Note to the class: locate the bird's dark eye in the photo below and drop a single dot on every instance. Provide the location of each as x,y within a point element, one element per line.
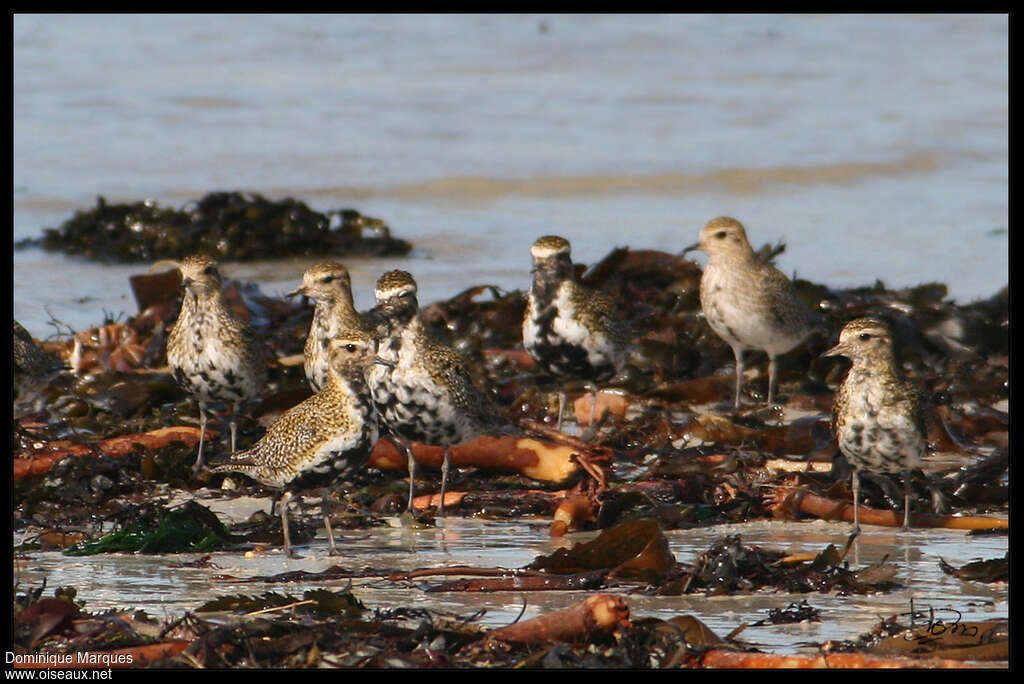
<point>350,348</point>
<point>720,234</point>
<point>328,279</point>
<point>210,270</point>
<point>864,336</point>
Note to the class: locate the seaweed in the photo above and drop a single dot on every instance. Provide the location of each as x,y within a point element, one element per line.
<point>190,528</point>
<point>234,226</point>
<point>104,443</point>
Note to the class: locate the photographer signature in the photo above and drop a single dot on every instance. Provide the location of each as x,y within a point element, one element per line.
<point>936,626</point>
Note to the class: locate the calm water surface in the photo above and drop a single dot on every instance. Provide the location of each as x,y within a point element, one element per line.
<point>876,146</point>
<point>151,581</point>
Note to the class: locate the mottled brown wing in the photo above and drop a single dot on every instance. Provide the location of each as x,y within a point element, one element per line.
<point>254,355</point>
<point>603,314</point>
<point>918,407</point>
<point>784,306</point>
<point>467,396</point>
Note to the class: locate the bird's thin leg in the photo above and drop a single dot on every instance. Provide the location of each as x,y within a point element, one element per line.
<point>738,353</point>
<point>285,498</point>
<point>593,404</point>
<point>324,508</point>
<point>856,488</point>
<point>561,405</point>
<point>906,499</point>
<point>202,434</point>
<point>412,473</point>
<point>771,379</point>
<point>445,466</point>
<point>233,426</point>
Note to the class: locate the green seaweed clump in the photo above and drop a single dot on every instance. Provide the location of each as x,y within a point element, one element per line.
<point>191,528</point>
<point>231,226</point>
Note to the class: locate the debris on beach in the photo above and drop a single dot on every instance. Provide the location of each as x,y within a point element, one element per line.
<point>107,439</point>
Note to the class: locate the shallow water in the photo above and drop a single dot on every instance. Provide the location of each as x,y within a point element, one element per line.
<point>148,582</point>
<point>876,146</point>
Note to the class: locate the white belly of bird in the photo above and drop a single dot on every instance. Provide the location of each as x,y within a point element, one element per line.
<point>741,315</point>
<point>223,381</point>
<point>885,439</point>
<point>567,327</point>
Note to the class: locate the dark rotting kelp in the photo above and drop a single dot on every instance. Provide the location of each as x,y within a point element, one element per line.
<point>235,226</point>
<point>666,452</point>
<point>670,456</point>
<point>731,567</point>
<point>632,549</point>
<point>990,570</point>
<point>793,613</point>
<point>332,629</point>
<point>638,553</point>
<point>315,601</point>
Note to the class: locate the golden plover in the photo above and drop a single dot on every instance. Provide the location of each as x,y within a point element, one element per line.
<point>314,442</point>
<point>212,354</point>
<point>570,330</point>
<point>422,388</point>
<point>748,303</point>
<point>329,286</point>
<point>878,416</point>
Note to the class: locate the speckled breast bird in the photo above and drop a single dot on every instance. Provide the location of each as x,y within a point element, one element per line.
<point>334,313</point>
<point>33,368</point>
<point>327,435</point>
<point>747,302</point>
<point>212,354</point>
<point>422,388</point>
<point>571,331</point>
<point>878,417</point>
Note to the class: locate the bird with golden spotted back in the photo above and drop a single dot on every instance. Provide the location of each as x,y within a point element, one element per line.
<point>212,354</point>
<point>322,438</point>
<point>878,417</point>
<point>329,286</point>
<point>422,388</point>
<point>571,331</point>
<point>748,302</point>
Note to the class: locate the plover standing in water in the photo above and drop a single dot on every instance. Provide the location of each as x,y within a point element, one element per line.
<point>329,286</point>
<point>212,354</point>
<point>314,442</point>
<point>570,330</point>
<point>878,416</point>
<point>747,302</point>
<point>422,388</point>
